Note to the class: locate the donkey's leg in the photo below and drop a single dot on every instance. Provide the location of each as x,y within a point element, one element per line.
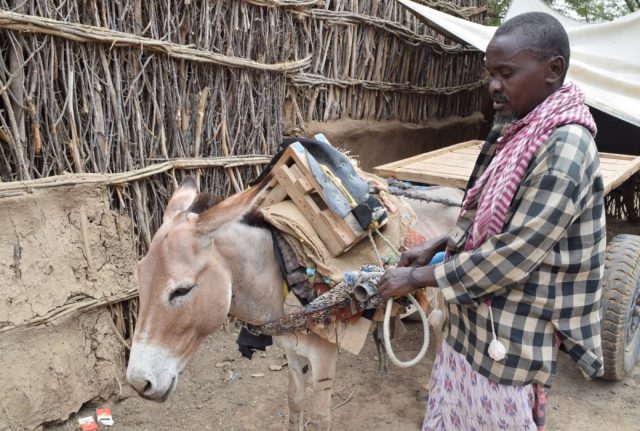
<point>383,357</point>
<point>322,356</point>
<point>296,364</point>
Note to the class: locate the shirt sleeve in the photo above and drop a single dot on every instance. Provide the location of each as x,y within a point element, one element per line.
<point>547,207</point>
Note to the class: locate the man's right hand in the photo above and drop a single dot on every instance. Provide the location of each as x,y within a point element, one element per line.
<point>422,254</point>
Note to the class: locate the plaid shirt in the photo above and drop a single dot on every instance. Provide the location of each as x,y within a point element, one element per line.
<point>542,273</point>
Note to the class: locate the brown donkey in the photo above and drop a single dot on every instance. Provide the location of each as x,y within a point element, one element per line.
<point>204,264</point>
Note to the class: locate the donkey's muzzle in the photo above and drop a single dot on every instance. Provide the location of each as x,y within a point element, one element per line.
<point>152,371</point>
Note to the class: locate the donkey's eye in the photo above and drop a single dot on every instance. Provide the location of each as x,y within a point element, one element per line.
<point>180,291</point>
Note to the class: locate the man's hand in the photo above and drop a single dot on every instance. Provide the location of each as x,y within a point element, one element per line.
<point>395,282</point>
<point>422,254</point>
<point>403,281</point>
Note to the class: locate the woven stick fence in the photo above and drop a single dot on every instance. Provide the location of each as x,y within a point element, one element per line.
<point>375,60</point>
<point>137,94</point>
<point>111,88</point>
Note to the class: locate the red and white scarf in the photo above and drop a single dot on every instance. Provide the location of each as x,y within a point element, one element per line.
<point>496,187</point>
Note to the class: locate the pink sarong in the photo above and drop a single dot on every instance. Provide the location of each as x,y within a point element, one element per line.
<point>460,399</point>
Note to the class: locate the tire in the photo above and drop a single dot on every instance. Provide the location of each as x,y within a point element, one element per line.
<point>621,307</point>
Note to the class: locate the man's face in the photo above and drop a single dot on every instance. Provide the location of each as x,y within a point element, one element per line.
<point>517,77</point>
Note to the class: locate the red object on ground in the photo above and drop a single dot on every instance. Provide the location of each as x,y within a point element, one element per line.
<point>88,424</point>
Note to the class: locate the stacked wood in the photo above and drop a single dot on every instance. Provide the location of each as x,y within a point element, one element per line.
<point>294,180</point>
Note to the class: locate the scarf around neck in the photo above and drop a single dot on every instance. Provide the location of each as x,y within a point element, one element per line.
<point>494,190</point>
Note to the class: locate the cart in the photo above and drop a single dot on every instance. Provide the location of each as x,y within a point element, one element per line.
<point>451,166</point>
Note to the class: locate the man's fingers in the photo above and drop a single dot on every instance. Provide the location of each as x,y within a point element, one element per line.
<point>406,260</point>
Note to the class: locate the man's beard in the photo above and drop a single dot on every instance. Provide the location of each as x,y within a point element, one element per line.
<point>503,121</point>
<point>500,120</point>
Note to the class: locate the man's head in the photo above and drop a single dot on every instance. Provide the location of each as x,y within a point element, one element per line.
<point>526,60</point>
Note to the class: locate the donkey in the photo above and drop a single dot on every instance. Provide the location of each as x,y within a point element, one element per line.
<point>204,263</point>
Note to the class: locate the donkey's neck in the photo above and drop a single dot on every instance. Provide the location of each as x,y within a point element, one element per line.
<point>257,281</point>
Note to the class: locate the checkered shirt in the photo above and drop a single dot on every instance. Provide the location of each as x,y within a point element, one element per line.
<point>541,274</point>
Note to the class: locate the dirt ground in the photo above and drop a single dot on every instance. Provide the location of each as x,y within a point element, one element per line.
<point>219,390</point>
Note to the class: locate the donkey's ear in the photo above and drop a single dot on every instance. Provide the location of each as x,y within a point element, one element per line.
<point>229,209</point>
<point>203,202</point>
<point>181,199</point>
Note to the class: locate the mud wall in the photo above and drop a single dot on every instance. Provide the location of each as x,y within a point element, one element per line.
<point>373,143</point>
<point>64,250</point>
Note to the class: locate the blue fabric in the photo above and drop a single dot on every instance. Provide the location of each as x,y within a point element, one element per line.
<point>437,258</point>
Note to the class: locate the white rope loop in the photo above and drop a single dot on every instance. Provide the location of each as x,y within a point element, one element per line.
<point>387,341</point>
<point>387,313</point>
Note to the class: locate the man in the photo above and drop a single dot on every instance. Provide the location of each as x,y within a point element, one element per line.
<point>523,266</point>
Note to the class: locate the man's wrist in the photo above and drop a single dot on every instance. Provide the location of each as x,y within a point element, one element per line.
<point>413,281</point>
<point>421,276</point>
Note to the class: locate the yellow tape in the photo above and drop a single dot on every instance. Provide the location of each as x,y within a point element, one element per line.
<point>335,180</point>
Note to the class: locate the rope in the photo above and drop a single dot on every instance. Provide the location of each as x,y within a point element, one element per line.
<point>387,341</point>
<point>395,252</point>
<point>375,248</point>
<point>387,315</point>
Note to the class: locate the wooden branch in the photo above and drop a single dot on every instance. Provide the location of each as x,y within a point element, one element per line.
<point>285,3</point>
<point>84,304</point>
<point>20,187</point>
<point>86,33</point>
<point>312,80</point>
<point>453,9</point>
<point>344,18</point>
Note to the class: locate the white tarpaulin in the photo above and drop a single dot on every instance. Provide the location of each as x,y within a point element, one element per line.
<point>605,57</point>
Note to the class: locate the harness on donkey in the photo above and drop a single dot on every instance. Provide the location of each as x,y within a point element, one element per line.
<point>317,261</point>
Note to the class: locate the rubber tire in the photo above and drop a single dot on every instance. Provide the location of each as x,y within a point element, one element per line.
<point>620,290</point>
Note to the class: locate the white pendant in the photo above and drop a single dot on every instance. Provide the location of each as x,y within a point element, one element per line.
<point>497,350</point>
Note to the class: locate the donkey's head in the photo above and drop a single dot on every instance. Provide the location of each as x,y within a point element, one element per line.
<point>184,288</point>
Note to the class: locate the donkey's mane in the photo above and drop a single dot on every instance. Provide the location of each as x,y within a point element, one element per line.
<point>254,218</point>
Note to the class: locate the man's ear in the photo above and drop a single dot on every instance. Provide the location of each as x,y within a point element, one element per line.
<point>555,70</point>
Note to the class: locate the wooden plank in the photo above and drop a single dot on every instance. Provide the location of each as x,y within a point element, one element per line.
<point>426,178</point>
<point>615,156</point>
<point>633,166</point>
<point>334,243</point>
<point>456,159</point>
<point>439,168</point>
<point>390,166</point>
<point>274,195</point>
<point>452,166</point>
